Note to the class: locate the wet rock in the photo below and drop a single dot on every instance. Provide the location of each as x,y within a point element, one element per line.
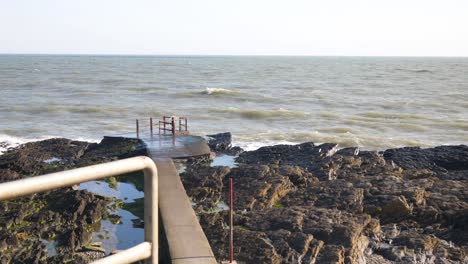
<point>64,215</point>
<point>222,143</point>
<point>32,158</point>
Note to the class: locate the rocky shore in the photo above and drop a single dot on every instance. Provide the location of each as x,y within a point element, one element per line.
<point>63,218</point>
<point>303,203</point>
<point>310,203</point>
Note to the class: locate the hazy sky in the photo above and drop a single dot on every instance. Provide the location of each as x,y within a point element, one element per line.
<point>262,27</point>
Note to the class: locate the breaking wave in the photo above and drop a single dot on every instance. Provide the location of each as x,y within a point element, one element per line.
<point>214,92</point>
<point>218,91</point>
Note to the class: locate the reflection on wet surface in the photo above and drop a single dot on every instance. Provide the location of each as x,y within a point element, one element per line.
<point>120,234</point>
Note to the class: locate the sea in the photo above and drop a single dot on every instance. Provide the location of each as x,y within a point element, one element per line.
<point>374,103</point>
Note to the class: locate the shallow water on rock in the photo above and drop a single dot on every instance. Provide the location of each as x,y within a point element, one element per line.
<point>224,160</point>
<point>121,235</point>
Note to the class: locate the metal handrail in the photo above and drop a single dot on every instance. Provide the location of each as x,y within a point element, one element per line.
<point>147,250</point>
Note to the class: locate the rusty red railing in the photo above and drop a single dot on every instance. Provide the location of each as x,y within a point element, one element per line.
<point>168,125</point>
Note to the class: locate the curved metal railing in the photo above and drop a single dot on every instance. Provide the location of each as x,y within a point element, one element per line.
<point>147,250</point>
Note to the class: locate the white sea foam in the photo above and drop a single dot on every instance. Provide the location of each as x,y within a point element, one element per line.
<point>7,141</point>
<point>249,146</point>
<point>214,91</point>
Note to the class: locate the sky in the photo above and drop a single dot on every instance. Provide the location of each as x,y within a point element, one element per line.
<point>236,27</point>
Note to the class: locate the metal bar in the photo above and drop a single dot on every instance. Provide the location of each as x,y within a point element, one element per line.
<point>173,126</point>
<point>133,254</point>
<point>137,129</point>
<point>231,231</point>
<point>151,204</point>
<point>151,125</point>
<point>14,189</point>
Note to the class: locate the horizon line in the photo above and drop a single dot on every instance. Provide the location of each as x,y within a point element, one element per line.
<point>228,55</point>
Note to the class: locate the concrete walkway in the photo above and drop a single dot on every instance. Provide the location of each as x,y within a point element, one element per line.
<point>186,239</point>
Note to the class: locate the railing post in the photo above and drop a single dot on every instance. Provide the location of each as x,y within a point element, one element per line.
<point>151,126</point>
<point>231,223</point>
<point>151,212</point>
<point>137,129</point>
<point>173,126</point>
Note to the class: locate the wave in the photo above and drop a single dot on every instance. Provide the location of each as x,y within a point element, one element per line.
<point>218,91</point>
<point>215,92</point>
<point>264,114</point>
<point>415,70</point>
<point>146,89</point>
<point>386,115</point>
<point>364,142</point>
<point>7,141</point>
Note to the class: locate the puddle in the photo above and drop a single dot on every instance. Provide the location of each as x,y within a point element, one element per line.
<point>119,236</point>
<point>124,234</point>
<point>123,191</point>
<point>221,207</point>
<point>50,245</point>
<point>52,160</point>
<point>224,160</point>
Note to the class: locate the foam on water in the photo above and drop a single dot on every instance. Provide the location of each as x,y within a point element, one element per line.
<point>7,142</point>
<point>215,91</point>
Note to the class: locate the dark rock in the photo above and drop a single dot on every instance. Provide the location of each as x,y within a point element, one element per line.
<point>8,175</point>
<point>442,160</point>
<point>112,148</point>
<point>220,142</point>
<point>233,151</point>
<point>300,155</point>
<point>31,158</point>
<point>318,204</point>
<point>258,187</point>
<point>64,215</point>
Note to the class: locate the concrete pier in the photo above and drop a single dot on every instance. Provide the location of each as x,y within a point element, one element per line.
<point>186,239</point>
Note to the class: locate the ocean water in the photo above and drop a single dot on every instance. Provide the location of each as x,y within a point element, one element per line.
<point>370,102</point>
